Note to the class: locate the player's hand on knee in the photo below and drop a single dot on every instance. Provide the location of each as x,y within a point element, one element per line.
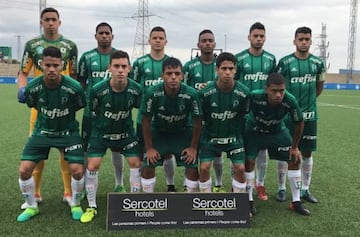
<point>295,152</point>
<point>21,95</point>
<point>189,155</point>
<point>152,156</point>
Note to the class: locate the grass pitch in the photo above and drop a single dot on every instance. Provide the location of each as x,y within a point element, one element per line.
<point>335,182</point>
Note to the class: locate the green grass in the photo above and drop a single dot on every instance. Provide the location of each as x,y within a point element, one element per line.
<point>335,182</point>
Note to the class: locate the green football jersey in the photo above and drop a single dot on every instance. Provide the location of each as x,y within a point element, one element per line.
<point>223,111</point>
<point>147,72</point>
<point>196,72</point>
<point>253,70</point>
<point>171,114</point>
<point>33,55</point>
<point>301,77</point>
<point>113,110</point>
<point>264,118</point>
<point>93,67</point>
<point>56,107</point>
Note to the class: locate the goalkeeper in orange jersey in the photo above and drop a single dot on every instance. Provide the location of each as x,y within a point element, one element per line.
<point>50,23</point>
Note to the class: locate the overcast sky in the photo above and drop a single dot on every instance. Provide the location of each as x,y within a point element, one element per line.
<point>184,19</point>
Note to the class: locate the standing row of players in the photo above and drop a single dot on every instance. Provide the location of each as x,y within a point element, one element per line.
<point>304,77</point>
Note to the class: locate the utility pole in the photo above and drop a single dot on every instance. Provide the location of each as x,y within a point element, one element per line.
<point>18,47</point>
<point>352,40</point>
<point>142,29</point>
<point>323,45</point>
<point>42,6</point>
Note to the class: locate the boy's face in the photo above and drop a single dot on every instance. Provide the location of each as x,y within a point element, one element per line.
<point>157,40</point>
<point>119,68</point>
<point>226,72</point>
<point>275,93</point>
<point>172,77</point>
<point>50,22</point>
<point>302,42</point>
<point>52,68</point>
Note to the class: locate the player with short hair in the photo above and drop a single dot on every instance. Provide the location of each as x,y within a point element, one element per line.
<point>197,73</point>
<point>253,67</point>
<point>305,76</point>
<point>50,22</point>
<point>57,98</point>
<point>93,68</point>
<point>111,103</point>
<point>224,103</point>
<point>265,128</point>
<point>147,71</point>
<point>167,110</point>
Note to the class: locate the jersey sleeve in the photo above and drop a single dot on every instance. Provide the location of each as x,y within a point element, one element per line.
<point>321,73</point>
<point>27,59</point>
<point>73,60</point>
<point>186,74</point>
<point>82,75</point>
<point>31,98</point>
<point>80,101</point>
<point>138,98</point>
<point>196,105</point>
<point>94,101</point>
<point>280,67</point>
<point>147,102</point>
<point>135,72</point>
<point>295,113</point>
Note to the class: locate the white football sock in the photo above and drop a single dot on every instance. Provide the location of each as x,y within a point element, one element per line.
<point>261,167</point>
<point>218,170</point>
<point>77,188</point>
<point>27,188</point>
<point>295,184</point>
<point>306,172</point>
<point>238,187</point>
<point>148,185</point>
<point>135,180</point>
<point>205,187</point>
<point>250,176</point>
<point>118,164</point>
<point>169,169</point>
<point>282,167</point>
<point>192,186</point>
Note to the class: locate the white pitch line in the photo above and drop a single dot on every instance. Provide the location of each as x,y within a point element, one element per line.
<point>341,106</point>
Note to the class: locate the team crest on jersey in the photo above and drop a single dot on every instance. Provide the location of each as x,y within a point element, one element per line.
<point>39,50</point>
<point>314,68</point>
<point>235,103</point>
<point>266,65</point>
<point>181,107</point>
<point>64,100</point>
<point>130,103</point>
<point>281,112</point>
